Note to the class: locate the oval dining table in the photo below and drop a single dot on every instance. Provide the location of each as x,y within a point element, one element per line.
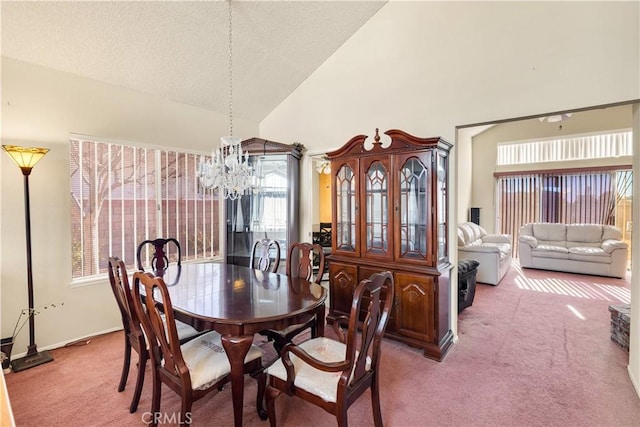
<point>239,302</point>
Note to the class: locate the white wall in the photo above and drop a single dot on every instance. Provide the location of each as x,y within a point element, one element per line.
<point>427,67</point>
<point>634,327</point>
<point>40,107</point>
<point>464,148</point>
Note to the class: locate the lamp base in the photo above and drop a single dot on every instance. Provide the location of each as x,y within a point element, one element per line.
<point>30,361</point>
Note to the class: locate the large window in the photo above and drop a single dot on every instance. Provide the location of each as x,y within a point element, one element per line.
<point>122,195</point>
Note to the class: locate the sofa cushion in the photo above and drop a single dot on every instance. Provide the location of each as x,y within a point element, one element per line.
<point>535,253</point>
<point>550,251</point>
<point>552,248</point>
<point>589,254</point>
<point>471,232</point>
<point>609,232</point>
<point>461,241</point>
<point>526,230</point>
<point>550,232</point>
<point>587,233</point>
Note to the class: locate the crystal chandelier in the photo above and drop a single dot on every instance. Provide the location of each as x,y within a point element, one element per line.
<point>228,170</point>
<point>324,166</point>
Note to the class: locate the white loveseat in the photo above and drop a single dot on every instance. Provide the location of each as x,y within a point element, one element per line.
<point>492,251</point>
<point>575,248</point>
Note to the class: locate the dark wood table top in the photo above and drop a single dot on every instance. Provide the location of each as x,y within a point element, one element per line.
<point>237,300</point>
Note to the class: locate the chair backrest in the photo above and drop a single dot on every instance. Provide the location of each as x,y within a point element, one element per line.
<point>122,292</point>
<point>159,258</point>
<point>163,335</point>
<point>325,227</point>
<point>376,293</point>
<point>261,257</point>
<point>301,258</point>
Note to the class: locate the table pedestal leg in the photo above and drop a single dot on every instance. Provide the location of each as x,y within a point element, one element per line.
<point>237,349</point>
<point>320,320</point>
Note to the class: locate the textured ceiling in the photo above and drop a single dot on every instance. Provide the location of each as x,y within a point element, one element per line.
<point>179,50</point>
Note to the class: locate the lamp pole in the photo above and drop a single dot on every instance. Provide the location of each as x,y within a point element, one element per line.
<point>33,348</point>
<point>26,158</point>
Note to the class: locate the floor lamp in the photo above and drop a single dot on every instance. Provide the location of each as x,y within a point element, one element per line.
<point>26,158</point>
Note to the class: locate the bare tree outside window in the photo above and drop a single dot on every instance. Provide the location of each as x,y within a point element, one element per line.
<point>121,195</point>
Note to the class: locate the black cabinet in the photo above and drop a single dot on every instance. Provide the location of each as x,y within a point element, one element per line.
<point>270,210</point>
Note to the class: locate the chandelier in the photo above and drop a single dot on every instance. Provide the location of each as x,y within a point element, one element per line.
<point>324,167</point>
<point>228,170</point>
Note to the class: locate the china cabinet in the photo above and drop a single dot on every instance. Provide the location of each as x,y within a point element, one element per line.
<point>270,209</point>
<point>390,213</point>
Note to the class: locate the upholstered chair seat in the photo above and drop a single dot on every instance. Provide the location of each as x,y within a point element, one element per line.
<point>185,332</point>
<point>319,383</point>
<point>207,361</point>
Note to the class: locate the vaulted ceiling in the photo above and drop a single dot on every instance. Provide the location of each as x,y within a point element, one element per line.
<point>179,50</point>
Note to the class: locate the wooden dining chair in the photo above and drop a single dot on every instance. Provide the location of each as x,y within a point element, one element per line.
<point>334,374</point>
<point>192,369</point>
<point>134,337</point>
<point>300,263</point>
<point>301,257</point>
<point>261,255</point>
<point>160,257</point>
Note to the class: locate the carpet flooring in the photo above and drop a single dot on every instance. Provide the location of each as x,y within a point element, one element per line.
<point>533,351</point>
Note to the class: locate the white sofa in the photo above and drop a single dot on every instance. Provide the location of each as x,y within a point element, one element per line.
<point>575,248</point>
<point>492,251</point>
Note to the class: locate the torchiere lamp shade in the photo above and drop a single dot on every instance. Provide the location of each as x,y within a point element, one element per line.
<point>25,157</point>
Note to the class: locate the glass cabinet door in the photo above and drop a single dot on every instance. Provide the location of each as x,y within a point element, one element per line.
<point>442,172</point>
<point>377,204</point>
<point>413,209</point>
<point>261,213</point>
<point>345,209</point>
<point>267,210</point>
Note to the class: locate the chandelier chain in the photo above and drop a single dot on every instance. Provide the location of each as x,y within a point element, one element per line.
<point>228,170</point>
<point>230,70</point>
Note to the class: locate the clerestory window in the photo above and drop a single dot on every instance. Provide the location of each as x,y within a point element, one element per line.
<point>579,147</point>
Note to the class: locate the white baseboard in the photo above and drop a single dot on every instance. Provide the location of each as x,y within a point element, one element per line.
<point>64,343</point>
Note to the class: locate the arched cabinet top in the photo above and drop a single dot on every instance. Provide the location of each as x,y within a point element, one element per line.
<point>400,141</point>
